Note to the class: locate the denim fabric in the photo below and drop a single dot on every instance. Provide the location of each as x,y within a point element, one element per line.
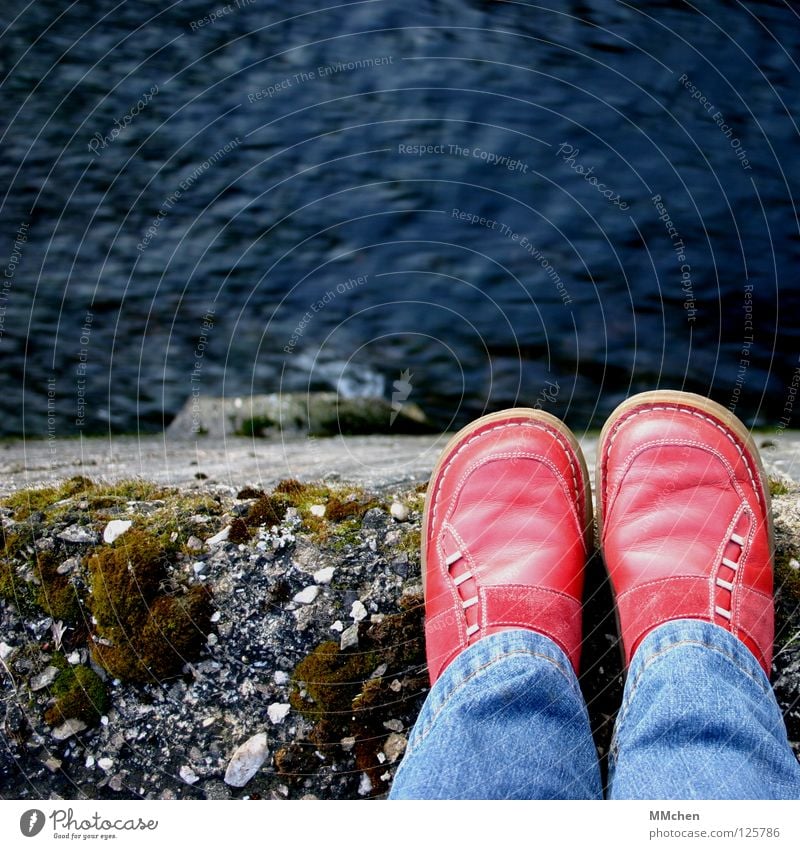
<point>699,720</point>
<point>507,720</point>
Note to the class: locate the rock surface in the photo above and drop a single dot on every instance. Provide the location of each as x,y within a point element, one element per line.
<point>316,413</point>
<point>183,737</point>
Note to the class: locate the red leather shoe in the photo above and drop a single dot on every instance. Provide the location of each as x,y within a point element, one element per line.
<point>685,520</point>
<point>506,532</point>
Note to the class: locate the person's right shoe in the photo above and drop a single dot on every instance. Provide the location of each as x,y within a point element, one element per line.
<point>684,520</point>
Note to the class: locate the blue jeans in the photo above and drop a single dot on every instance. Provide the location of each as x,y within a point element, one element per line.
<point>507,720</point>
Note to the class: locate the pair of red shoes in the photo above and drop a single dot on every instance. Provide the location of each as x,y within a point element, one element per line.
<point>683,514</point>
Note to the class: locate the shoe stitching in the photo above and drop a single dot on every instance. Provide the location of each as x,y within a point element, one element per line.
<point>658,581</point>
<point>649,409</point>
<point>533,425</point>
<point>746,545</point>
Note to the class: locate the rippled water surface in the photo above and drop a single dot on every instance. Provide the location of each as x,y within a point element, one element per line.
<point>504,201</point>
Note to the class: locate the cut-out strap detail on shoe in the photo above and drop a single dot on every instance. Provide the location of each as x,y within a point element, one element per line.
<point>453,558</point>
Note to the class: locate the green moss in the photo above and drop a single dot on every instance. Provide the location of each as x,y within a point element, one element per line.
<point>143,633</point>
<point>257,426</point>
<point>344,509</point>
<point>12,588</point>
<point>124,579</point>
<point>80,694</point>
<point>778,487</point>
<point>56,594</point>
<point>787,578</point>
<point>343,700</point>
<point>28,501</point>
<point>133,489</point>
<point>249,492</point>
<point>175,631</point>
<point>170,523</point>
<point>332,679</point>
<point>343,535</point>
<point>411,544</point>
<point>268,510</point>
<point>239,531</point>
<point>338,510</point>
<point>17,547</point>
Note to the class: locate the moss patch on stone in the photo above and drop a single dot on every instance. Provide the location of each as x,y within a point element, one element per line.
<point>18,547</point>
<point>778,487</point>
<point>787,575</point>
<point>340,692</point>
<point>80,694</point>
<point>344,509</point>
<point>28,501</point>
<point>144,632</point>
<point>411,544</point>
<point>56,594</point>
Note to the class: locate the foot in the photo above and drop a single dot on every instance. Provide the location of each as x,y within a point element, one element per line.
<point>685,520</point>
<point>506,532</point>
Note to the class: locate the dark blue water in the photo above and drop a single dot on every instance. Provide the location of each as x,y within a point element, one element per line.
<point>290,197</point>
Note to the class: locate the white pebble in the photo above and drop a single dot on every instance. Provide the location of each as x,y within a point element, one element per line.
<point>188,775</point>
<point>67,729</point>
<point>399,511</point>
<point>317,510</point>
<point>246,761</point>
<point>115,529</point>
<point>394,747</point>
<point>220,537</point>
<point>358,611</point>
<point>281,677</point>
<point>6,651</point>
<point>349,637</point>
<point>337,626</point>
<point>324,576</point>
<point>364,785</point>
<point>307,595</point>
<point>44,679</point>
<point>105,764</point>
<point>277,712</point>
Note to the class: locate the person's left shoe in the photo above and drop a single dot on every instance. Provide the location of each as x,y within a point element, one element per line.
<point>506,534</point>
